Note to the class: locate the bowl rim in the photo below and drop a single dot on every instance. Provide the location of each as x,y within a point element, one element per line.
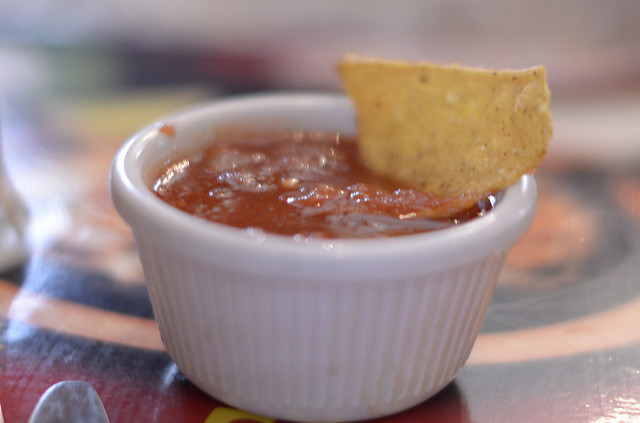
<point>153,220</point>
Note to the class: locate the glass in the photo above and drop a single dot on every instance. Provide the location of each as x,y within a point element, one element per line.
<point>13,219</point>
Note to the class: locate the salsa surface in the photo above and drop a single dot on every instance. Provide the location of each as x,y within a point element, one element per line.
<point>302,184</point>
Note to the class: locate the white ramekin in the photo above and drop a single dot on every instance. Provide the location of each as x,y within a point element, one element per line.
<point>327,330</point>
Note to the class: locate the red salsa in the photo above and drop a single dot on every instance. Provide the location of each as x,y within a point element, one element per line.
<point>299,184</point>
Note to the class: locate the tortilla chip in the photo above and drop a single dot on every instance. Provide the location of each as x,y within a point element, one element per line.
<point>449,130</point>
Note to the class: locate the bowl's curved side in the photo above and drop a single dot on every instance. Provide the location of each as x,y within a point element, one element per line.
<point>315,351</point>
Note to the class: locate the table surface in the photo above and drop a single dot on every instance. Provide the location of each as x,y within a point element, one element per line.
<point>560,342</point>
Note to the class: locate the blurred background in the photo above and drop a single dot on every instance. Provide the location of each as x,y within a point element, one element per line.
<point>287,43</point>
<point>77,78</point>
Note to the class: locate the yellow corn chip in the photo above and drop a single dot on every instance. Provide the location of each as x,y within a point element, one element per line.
<point>449,130</point>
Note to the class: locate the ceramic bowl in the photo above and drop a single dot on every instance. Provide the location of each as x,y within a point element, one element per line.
<point>322,330</point>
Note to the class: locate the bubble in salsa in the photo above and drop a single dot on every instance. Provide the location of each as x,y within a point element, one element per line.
<point>302,184</point>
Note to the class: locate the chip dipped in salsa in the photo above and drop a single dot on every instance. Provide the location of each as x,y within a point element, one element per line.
<point>303,184</point>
